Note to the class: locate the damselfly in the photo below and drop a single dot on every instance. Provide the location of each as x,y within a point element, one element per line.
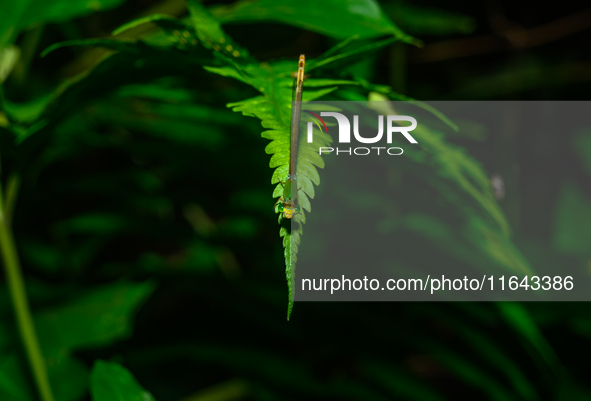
<point>288,203</point>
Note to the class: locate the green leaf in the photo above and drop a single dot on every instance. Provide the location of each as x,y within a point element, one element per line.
<point>521,321</point>
<point>14,385</point>
<point>484,344</point>
<point>96,319</point>
<point>112,382</point>
<point>129,45</point>
<point>343,55</point>
<point>26,112</point>
<point>20,14</point>
<point>54,11</point>
<point>12,13</point>
<point>335,18</point>
<point>210,33</point>
<point>161,20</point>
<point>273,111</point>
<point>227,71</point>
<point>208,29</point>
<point>69,378</point>
<point>8,58</point>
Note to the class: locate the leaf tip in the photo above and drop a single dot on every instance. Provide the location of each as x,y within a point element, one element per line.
<point>48,50</point>
<point>416,42</point>
<point>289,309</point>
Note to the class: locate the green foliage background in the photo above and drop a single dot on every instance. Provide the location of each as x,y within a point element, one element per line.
<point>139,190</point>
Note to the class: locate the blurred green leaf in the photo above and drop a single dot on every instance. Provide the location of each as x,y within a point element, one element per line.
<point>53,11</point>
<point>405,385</point>
<point>98,318</point>
<point>335,18</point>
<point>157,91</point>
<point>26,112</point>
<point>95,223</point>
<point>346,53</point>
<point>17,15</point>
<point>484,344</point>
<point>573,221</point>
<point>385,93</point>
<point>12,13</point>
<point>161,20</point>
<point>420,20</point>
<point>459,177</point>
<point>47,257</point>
<point>8,59</point>
<point>477,244</point>
<point>240,226</point>
<point>14,385</point>
<point>112,382</point>
<point>121,45</point>
<point>260,364</point>
<point>517,76</point>
<point>139,62</point>
<point>582,145</point>
<point>211,35</point>
<point>69,378</point>
<point>475,375</point>
<point>520,320</point>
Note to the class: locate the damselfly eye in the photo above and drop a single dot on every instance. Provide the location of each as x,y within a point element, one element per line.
<point>298,209</point>
<point>281,207</point>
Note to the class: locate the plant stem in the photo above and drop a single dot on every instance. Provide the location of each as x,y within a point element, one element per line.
<point>20,303</point>
<point>12,186</point>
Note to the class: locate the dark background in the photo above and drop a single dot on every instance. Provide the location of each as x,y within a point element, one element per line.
<point>145,226</point>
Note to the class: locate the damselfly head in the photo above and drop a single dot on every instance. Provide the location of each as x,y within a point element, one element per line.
<point>288,209</point>
<point>299,74</point>
<point>302,61</point>
<point>301,65</point>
